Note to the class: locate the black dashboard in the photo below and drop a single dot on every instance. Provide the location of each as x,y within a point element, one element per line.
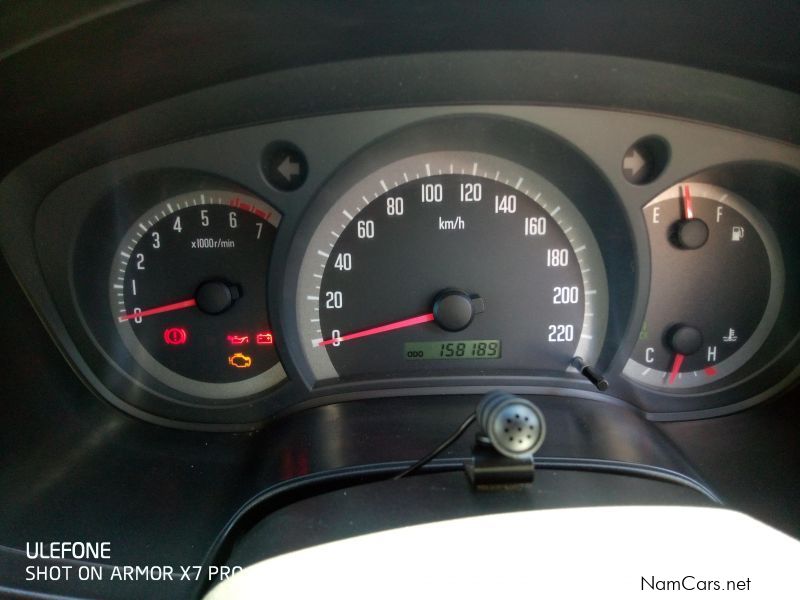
<point>239,282</point>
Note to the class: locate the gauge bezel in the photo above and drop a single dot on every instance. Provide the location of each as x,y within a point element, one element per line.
<point>518,143</point>
<point>416,167</point>
<point>88,261</point>
<point>726,369</point>
<point>139,228</point>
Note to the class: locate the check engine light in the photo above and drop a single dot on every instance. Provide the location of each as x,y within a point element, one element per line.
<point>240,361</point>
<point>175,336</point>
<point>264,338</point>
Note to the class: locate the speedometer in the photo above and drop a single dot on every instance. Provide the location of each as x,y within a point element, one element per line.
<point>456,262</point>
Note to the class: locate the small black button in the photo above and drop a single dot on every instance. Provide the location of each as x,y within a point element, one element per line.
<point>690,234</point>
<point>684,339</point>
<point>453,309</point>
<point>215,297</point>
<point>284,165</point>
<point>645,160</point>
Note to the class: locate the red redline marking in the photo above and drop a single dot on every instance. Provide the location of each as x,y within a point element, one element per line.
<point>158,310</point>
<point>381,329</point>
<point>236,203</point>
<point>710,371</point>
<point>688,210</point>
<point>676,367</point>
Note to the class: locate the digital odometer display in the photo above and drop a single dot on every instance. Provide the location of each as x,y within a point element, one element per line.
<point>438,248</point>
<point>450,350</point>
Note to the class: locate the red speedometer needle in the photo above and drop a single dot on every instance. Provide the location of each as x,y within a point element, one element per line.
<point>676,367</point>
<point>688,209</point>
<point>382,329</point>
<point>158,309</point>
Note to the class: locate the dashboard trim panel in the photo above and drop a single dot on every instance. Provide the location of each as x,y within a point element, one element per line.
<point>579,127</point>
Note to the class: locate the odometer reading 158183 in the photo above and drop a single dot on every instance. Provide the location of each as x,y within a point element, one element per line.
<point>441,256</point>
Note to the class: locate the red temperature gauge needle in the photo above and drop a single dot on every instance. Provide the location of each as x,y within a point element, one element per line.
<point>688,210</point>
<point>676,367</point>
<point>382,329</point>
<point>158,309</point>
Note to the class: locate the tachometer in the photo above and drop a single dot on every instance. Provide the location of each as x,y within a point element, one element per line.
<point>188,293</point>
<point>450,262</point>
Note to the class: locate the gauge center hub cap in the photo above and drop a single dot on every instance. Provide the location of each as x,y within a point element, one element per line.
<point>454,310</point>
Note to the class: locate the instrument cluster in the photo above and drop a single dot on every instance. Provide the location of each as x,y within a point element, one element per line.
<point>616,257</point>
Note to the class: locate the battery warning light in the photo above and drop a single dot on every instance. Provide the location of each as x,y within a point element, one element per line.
<point>240,361</point>
<point>175,336</point>
<point>238,340</point>
<point>264,338</point>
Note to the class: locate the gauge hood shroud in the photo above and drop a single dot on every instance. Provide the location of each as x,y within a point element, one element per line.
<point>508,141</point>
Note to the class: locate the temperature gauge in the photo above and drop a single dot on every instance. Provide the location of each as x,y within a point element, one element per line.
<point>716,286</point>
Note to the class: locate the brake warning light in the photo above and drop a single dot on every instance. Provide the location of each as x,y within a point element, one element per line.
<point>175,336</point>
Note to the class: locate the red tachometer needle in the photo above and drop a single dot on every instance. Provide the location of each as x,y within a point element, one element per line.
<point>158,309</point>
<point>676,367</point>
<point>688,210</point>
<point>382,329</point>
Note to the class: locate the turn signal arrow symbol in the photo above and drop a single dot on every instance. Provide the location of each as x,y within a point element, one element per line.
<point>289,169</point>
<point>633,162</point>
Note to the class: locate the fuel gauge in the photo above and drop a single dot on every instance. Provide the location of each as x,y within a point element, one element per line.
<point>716,287</point>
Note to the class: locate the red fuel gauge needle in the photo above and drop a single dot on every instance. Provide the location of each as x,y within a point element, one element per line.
<point>676,367</point>
<point>158,309</point>
<point>382,329</point>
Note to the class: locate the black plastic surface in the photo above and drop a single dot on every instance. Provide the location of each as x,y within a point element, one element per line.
<point>421,499</point>
<point>752,459</point>
<point>153,50</point>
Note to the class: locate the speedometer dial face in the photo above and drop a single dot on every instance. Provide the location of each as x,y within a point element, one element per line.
<point>188,291</point>
<point>450,262</point>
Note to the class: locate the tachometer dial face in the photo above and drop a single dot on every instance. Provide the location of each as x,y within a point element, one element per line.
<point>188,291</point>
<point>715,292</point>
<point>450,262</point>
